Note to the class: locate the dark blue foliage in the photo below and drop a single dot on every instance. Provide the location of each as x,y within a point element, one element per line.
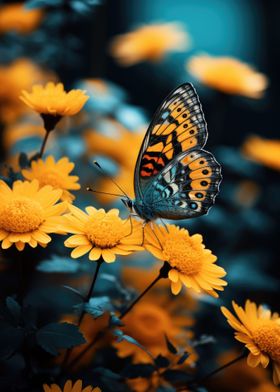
<point>55,336</point>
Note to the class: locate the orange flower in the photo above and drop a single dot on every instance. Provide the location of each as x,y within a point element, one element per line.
<point>191,264</point>
<point>101,234</point>
<point>70,387</point>
<point>122,149</point>
<point>259,330</point>
<point>18,18</point>
<point>56,174</point>
<point>228,75</point>
<point>149,43</point>
<point>264,151</point>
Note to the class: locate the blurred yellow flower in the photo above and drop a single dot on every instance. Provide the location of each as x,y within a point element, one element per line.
<point>123,150</point>
<point>247,193</point>
<point>191,264</point>
<point>53,102</point>
<point>56,174</point>
<point>28,213</point>
<point>264,151</point>
<point>149,43</point>
<point>19,75</point>
<point>228,75</point>
<point>101,234</point>
<point>70,387</point>
<point>259,330</point>
<point>18,18</point>
<point>148,323</point>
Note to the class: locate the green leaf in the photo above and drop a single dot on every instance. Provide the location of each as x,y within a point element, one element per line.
<point>55,336</point>
<point>14,308</point>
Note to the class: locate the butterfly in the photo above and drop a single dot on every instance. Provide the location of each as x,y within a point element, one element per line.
<point>175,178</point>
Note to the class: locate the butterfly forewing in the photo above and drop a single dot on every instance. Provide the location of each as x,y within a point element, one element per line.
<point>178,126</point>
<point>174,177</point>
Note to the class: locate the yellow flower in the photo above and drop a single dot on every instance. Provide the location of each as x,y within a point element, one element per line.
<point>228,75</point>
<point>259,329</point>
<point>16,17</point>
<point>53,102</point>
<point>148,323</point>
<point>56,174</point>
<point>264,151</point>
<point>123,150</point>
<point>191,264</point>
<point>28,213</point>
<point>150,42</point>
<point>70,387</point>
<point>19,75</point>
<point>101,234</point>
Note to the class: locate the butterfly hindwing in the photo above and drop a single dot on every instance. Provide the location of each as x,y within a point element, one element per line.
<point>187,187</point>
<point>178,126</point>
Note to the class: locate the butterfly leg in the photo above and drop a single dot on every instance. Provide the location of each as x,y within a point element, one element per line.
<point>143,232</point>
<point>131,226</point>
<point>164,224</point>
<point>152,227</point>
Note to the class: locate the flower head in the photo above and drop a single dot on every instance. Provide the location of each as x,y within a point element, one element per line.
<point>148,323</point>
<point>264,151</point>
<point>191,264</point>
<point>52,101</point>
<point>101,234</point>
<point>150,42</point>
<point>56,174</point>
<point>259,330</point>
<point>228,75</point>
<point>70,387</point>
<point>28,213</point>
<point>122,147</point>
<point>18,18</point>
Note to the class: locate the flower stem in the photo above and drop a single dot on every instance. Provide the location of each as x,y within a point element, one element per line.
<point>42,149</point>
<point>86,299</point>
<point>163,274</point>
<point>211,374</point>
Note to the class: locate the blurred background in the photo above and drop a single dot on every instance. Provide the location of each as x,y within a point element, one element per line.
<point>229,50</point>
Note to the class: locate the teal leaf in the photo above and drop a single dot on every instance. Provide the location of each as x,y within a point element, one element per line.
<point>14,308</point>
<point>75,291</point>
<point>161,361</point>
<point>97,306</point>
<point>138,370</point>
<point>59,265</point>
<point>115,321</point>
<point>122,337</point>
<point>182,359</point>
<point>55,336</point>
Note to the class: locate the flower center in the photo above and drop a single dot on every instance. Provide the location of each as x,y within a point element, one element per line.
<point>51,178</point>
<point>105,231</point>
<point>21,215</point>
<point>148,323</point>
<point>182,254</point>
<point>267,337</point>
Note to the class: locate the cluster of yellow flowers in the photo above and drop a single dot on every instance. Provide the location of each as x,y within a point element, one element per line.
<point>41,204</point>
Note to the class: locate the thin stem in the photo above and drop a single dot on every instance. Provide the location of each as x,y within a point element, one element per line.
<point>81,317</point>
<point>233,361</point>
<point>42,149</point>
<point>163,274</point>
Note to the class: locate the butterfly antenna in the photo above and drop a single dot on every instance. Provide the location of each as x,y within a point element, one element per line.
<point>113,181</point>
<point>89,189</point>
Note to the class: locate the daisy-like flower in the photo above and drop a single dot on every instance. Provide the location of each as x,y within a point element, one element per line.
<point>101,234</point>
<point>228,75</point>
<point>149,43</point>
<point>53,102</point>
<point>264,151</point>
<point>28,213</point>
<point>56,174</point>
<point>70,387</point>
<point>259,330</point>
<point>17,18</point>
<point>191,264</point>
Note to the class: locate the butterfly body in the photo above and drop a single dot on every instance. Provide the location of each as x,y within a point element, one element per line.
<point>175,178</point>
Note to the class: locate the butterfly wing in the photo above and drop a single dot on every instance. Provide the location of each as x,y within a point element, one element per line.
<point>177,126</point>
<point>186,187</point>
